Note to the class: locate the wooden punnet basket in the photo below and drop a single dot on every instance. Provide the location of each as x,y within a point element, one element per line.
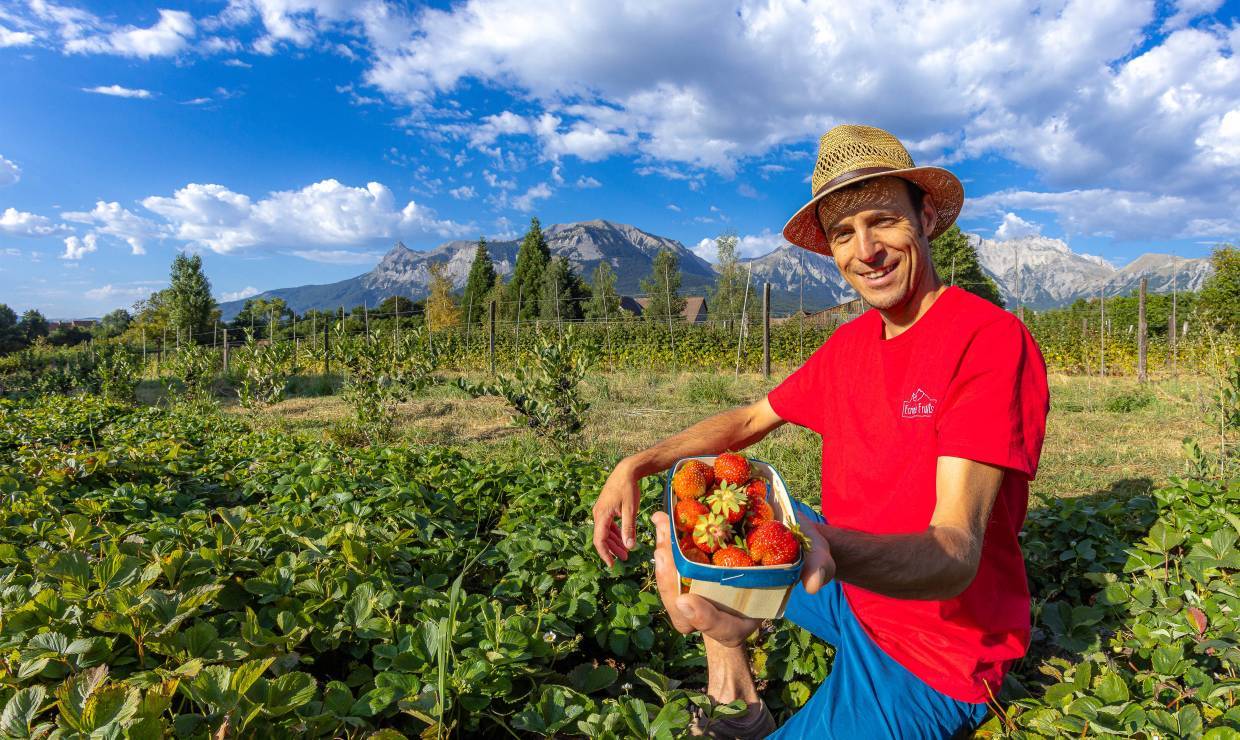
<point>761,591</point>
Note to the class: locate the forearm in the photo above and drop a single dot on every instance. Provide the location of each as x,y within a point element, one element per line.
<point>938,563</point>
<point>730,430</point>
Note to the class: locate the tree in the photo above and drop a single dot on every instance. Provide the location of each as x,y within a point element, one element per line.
<point>113,324</point>
<point>526,284</point>
<point>441,310</point>
<point>259,312</point>
<point>478,284</point>
<point>663,288</point>
<point>604,302</point>
<point>33,325</point>
<point>190,305</point>
<point>952,248</point>
<point>728,300</point>
<point>562,292</point>
<point>1220,295</point>
<point>398,304</point>
<point>11,338</point>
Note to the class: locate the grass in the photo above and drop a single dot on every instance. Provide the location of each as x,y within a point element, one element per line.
<point>1101,434</point>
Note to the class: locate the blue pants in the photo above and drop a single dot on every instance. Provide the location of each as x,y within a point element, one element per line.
<point>867,694</point>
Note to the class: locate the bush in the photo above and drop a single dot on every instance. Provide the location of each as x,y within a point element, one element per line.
<point>1128,401</point>
<point>711,389</point>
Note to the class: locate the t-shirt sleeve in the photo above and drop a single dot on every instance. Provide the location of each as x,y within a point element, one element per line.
<point>801,398</point>
<point>996,404</point>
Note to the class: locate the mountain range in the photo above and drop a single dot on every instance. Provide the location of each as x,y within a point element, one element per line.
<point>1050,273</point>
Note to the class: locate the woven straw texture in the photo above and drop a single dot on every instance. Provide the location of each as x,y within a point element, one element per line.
<point>848,148</point>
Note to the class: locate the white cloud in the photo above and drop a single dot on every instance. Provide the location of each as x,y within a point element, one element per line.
<point>169,36</point>
<point>326,213</point>
<point>119,91</point>
<point>196,101</point>
<point>237,63</point>
<point>10,173</point>
<point>495,126</point>
<point>115,220</point>
<point>747,191</point>
<point>338,256</point>
<point>76,248</point>
<point>1015,227</point>
<point>237,295</point>
<point>673,207</point>
<point>586,183</point>
<point>496,182</point>
<point>527,200</point>
<point>581,139</point>
<point>464,192</point>
<point>1188,10</point>
<point>748,246</point>
<point>112,292</point>
<point>15,38</point>
<point>22,223</point>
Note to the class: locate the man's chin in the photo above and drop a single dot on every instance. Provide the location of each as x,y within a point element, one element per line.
<point>881,299</point>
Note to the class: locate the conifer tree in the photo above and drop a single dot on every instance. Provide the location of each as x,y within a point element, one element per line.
<point>526,284</point>
<point>190,305</point>
<point>1220,295</point>
<point>952,247</point>
<point>562,293</point>
<point>478,285</point>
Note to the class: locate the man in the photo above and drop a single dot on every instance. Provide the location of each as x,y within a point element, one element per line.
<point>932,410</point>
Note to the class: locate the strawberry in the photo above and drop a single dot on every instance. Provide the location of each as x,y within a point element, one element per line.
<point>688,511</point>
<point>756,489</point>
<point>711,533</point>
<point>759,511</point>
<point>691,480</point>
<point>771,543</point>
<point>692,553</point>
<point>732,468</point>
<point>732,557</point>
<point>728,501</point>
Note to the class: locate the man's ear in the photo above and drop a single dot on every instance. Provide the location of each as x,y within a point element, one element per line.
<point>929,215</point>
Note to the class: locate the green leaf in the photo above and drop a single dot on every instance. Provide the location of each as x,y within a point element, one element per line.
<point>1112,689</point>
<point>19,713</point>
<point>587,678</point>
<point>288,692</point>
<point>373,702</point>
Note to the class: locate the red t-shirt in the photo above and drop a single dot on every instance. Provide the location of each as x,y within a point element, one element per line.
<point>966,380</point>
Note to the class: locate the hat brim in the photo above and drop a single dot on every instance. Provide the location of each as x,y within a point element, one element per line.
<point>944,189</point>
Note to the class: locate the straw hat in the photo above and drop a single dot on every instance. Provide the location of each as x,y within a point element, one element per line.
<point>851,154</point>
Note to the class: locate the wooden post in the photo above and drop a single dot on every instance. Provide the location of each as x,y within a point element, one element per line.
<point>766,330</point>
<point>314,332</point>
<point>1171,324</point>
<point>366,318</point>
<point>144,351</point>
<point>327,355</point>
<point>225,349</point>
<point>1102,333</point>
<point>1141,332</point>
<point>215,338</point>
<point>491,334</point>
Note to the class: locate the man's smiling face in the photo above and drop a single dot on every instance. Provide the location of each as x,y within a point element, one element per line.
<point>878,240</point>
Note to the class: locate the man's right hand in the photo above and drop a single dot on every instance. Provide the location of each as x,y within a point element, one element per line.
<point>689,612</point>
<point>619,497</point>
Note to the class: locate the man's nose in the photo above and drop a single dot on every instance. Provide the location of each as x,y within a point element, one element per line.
<point>868,250</point>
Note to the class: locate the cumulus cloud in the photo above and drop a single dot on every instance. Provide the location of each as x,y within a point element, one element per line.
<point>1015,227</point>
<point>111,292</point>
<point>23,223</point>
<point>10,173</point>
<point>527,200</point>
<point>337,256</point>
<point>585,183</point>
<point>169,36</point>
<point>9,37</point>
<point>76,248</point>
<point>327,213</point>
<point>464,192</point>
<point>115,220</point>
<point>119,91</point>
<point>747,246</point>
<point>236,295</point>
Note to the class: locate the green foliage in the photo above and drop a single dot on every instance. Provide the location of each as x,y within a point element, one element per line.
<point>956,262</point>
<point>728,301</point>
<point>116,373</point>
<point>662,286</point>
<point>525,287</point>
<point>11,338</point>
<point>1220,296</point>
<point>113,324</point>
<point>604,303</point>
<point>563,293</point>
<point>33,325</point>
<point>190,305</point>
<point>545,396</point>
<point>1128,401</point>
<point>195,365</point>
<point>478,284</point>
<point>265,368</point>
<point>259,313</point>
<point>381,374</point>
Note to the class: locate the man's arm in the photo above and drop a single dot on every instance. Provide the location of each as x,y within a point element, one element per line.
<point>730,430</point>
<point>938,563</point>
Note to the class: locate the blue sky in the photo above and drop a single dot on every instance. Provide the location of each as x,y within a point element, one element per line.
<point>293,141</point>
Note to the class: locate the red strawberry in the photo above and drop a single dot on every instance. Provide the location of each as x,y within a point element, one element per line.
<point>732,557</point>
<point>728,501</point>
<point>771,543</point>
<point>756,489</point>
<point>688,511</point>
<point>759,512</point>
<point>692,553</point>
<point>691,480</point>
<point>711,533</point>
<point>732,468</point>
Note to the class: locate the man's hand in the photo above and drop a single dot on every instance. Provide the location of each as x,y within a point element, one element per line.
<point>689,612</point>
<point>619,497</point>
<point>819,567</point>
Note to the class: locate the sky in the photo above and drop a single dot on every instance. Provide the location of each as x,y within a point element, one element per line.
<point>294,141</point>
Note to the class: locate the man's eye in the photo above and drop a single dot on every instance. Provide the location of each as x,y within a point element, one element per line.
<point>841,236</point>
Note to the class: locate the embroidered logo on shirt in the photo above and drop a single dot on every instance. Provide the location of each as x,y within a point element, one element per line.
<point>919,404</point>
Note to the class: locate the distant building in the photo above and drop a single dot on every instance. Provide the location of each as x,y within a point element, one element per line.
<point>72,324</point>
<point>695,307</point>
<point>833,316</point>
